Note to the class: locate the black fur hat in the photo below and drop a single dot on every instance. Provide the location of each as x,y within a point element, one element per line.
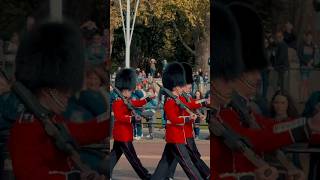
<point>173,76</point>
<point>188,71</point>
<point>126,79</point>
<point>252,36</point>
<point>226,58</point>
<point>51,56</point>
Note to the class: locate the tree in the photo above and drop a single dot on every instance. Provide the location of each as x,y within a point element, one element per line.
<point>183,21</point>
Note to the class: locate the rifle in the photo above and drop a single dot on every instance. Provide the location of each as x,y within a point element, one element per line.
<point>199,114</point>
<point>57,132</point>
<point>176,99</point>
<point>236,142</point>
<point>126,102</point>
<point>248,119</point>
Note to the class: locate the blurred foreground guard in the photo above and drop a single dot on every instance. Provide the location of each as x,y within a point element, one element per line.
<point>225,66</point>
<point>50,65</point>
<point>243,159</point>
<point>246,86</point>
<point>177,116</point>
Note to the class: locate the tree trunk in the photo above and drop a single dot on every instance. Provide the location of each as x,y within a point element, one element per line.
<point>202,47</point>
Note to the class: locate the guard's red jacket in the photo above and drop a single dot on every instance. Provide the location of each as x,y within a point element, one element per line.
<point>34,154</point>
<point>189,125</point>
<point>176,116</point>
<point>226,162</point>
<point>123,130</point>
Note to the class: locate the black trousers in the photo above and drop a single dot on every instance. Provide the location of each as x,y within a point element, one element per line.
<point>179,153</point>
<point>196,159</point>
<point>128,150</point>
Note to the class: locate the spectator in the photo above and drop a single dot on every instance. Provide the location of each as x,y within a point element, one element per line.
<point>206,78</point>
<point>317,56</point>
<point>158,75</point>
<point>150,112</point>
<point>153,68</point>
<point>312,106</point>
<point>289,36</point>
<point>30,23</point>
<point>11,52</point>
<point>96,51</point>
<point>88,29</point>
<point>94,80</point>
<point>306,53</point>
<point>144,75</point>
<point>164,64</point>
<point>197,96</point>
<point>281,63</point>
<point>282,107</point>
<point>138,94</point>
<point>266,72</point>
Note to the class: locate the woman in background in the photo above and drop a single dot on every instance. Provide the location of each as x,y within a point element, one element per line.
<point>282,107</point>
<point>196,128</point>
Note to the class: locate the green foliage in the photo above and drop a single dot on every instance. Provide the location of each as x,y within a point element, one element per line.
<point>155,35</point>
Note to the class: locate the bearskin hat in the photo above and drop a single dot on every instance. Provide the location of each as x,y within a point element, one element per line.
<point>126,79</point>
<point>226,58</point>
<point>252,36</point>
<point>51,56</point>
<point>188,71</point>
<point>173,76</point>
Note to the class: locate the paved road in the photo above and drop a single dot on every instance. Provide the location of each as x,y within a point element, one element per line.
<point>150,151</point>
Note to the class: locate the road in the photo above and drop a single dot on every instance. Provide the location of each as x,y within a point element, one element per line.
<point>149,152</point>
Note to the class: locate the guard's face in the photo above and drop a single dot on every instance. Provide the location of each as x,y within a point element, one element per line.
<point>187,88</point>
<point>222,91</point>
<point>178,90</point>
<point>253,79</point>
<point>126,93</point>
<point>248,83</point>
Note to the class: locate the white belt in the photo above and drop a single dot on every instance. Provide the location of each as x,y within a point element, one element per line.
<point>238,176</point>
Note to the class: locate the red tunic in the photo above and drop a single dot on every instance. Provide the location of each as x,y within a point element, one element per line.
<point>223,160</point>
<point>175,132</point>
<point>34,154</point>
<point>189,125</point>
<point>123,130</point>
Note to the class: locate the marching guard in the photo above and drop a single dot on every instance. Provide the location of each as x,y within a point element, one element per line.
<point>124,114</point>
<point>175,149</point>
<point>226,162</point>
<point>189,126</point>
<point>49,70</point>
<point>225,66</point>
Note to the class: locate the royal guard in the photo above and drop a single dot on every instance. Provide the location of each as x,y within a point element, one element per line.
<point>226,65</point>
<point>50,64</point>
<point>124,118</point>
<point>189,126</point>
<point>230,164</point>
<point>175,149</point>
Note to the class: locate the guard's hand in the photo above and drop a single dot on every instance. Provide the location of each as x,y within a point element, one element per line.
<point>208,100</point>
<point>137,118</point>
<point>193,116</point>
<point>151,95</point>
<point>266,173</point>
<point>296,175</point>
<point>202,117</point>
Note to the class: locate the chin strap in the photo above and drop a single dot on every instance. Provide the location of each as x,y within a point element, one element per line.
<point>247,83</point>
